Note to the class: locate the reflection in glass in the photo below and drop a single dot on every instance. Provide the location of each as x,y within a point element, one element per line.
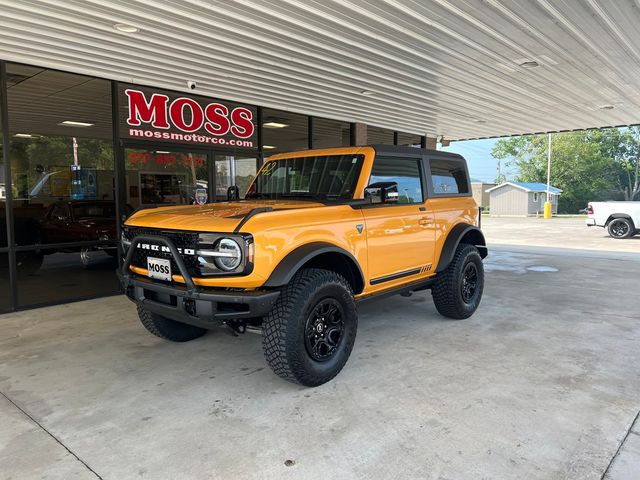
<point>409,139</point>
<point>61,154</point>
<point>379,136</point>
<point>284,131</point>
<point>245,172</point>
<point>331,133</point>
<point>233,170</point>
<point>56,276</point>
<point>5,290</point>
<point>165,177</point>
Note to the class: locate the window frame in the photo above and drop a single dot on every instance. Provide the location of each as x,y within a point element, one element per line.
<point>454,159</point>
<point>420,159</point>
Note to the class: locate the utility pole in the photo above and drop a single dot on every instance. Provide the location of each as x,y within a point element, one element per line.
<point>547,204</point>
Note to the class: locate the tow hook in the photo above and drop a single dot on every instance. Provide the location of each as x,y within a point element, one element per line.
<point>236,326</point>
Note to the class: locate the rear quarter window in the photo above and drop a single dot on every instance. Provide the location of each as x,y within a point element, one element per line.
<point>448,177</point>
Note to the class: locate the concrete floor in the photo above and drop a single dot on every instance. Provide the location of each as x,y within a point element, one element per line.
<point>542,383</point>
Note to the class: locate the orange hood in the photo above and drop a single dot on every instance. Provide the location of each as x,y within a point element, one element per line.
<point>214,217</point>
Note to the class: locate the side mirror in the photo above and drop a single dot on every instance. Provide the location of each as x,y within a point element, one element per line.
<point>233,193</point>
<point>382,192</point>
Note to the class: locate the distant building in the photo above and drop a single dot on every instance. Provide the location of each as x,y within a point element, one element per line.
<point>480,194</point>
<point>521,199</point>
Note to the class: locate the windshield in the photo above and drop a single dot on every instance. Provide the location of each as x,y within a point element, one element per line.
<point>327,177</point>
<point>94,210</point>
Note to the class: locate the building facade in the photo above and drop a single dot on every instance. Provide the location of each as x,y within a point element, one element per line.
<point>521,199</point>
<point>480,193</point>
<point>80,153</point>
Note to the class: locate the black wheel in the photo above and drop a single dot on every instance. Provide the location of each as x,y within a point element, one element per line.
<point>86,254</point>
<point>168,329</point>
<point>309,333</point>
<point>621,228</point>
<point>458,289</point>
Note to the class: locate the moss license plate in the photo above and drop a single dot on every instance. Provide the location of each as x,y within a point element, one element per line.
<point>159,268</point>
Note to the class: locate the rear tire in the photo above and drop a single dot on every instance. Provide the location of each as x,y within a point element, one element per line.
<point>309,333</point>
<point>458,289</point>
<point>620,228</point>
<point>168,329</point>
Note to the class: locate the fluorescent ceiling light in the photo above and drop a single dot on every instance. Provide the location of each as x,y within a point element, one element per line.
<point>269,147</point>
<point>274,125</point>
<point>23,135</point>
<point>126,28</point>
<point>162,152</point>
<point>71,123</point>
<point>530,64</point>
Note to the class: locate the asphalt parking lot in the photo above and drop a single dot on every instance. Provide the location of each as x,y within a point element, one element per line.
<point>542,383</point>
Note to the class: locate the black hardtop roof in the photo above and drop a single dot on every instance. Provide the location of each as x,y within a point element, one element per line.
<point>413,151</point>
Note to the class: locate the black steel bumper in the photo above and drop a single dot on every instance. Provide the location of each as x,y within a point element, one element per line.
<point>203,307</point>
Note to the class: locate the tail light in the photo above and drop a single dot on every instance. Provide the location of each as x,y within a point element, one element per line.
<point>589,209</point>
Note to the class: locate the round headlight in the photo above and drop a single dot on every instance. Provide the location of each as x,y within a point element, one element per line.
<point>230,255</point>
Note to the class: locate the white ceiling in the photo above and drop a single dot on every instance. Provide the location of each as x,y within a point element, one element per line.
<point>437,67</point>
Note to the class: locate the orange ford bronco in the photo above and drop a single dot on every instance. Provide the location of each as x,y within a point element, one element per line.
<point>318,232</point>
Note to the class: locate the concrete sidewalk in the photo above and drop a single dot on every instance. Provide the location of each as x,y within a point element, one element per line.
<point>542,383</point>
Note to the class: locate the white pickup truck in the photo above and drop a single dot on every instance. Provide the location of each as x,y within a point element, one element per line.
<point>621,219</point>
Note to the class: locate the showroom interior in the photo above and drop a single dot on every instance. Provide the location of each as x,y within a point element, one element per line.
<point>70,171</point>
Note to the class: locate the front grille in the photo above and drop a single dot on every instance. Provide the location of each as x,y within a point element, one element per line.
<point>181,240</point>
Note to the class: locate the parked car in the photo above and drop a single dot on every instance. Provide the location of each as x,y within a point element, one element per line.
<point>317,232</point>
<point>81,220</point>
<point>621,219</point>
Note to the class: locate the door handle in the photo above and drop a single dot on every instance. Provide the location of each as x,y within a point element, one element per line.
<point>425,222</point>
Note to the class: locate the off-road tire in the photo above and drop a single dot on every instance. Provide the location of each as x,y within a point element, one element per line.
<point>447,292</point>
<point>614,226</point>
<point>168,329</point>
<point>284,329</point>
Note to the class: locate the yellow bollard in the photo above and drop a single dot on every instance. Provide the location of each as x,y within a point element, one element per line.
<point>547,210</point>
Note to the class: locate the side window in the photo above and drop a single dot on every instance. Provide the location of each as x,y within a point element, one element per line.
<point>448,177</point>
<point>59,212</point>
<point>404,171</point>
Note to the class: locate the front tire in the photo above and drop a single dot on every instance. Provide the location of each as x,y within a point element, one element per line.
<point>168,329</point>
<point>309,333</point>
<point>620,228</point>
<point>458,289</point>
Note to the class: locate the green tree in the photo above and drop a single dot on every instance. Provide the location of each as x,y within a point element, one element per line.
<point>623,147</point>
<point>586,165</point>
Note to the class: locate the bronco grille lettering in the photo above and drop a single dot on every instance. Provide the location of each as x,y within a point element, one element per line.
<point>164,249</point>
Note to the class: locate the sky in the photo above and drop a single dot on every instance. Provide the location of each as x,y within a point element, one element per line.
<point>482,166</point>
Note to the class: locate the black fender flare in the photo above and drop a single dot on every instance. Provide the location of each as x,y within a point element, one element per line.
<point>454,238</point>
<point>295,259</point>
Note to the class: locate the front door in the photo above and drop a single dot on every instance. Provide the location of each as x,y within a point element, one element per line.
<point>400,237</point>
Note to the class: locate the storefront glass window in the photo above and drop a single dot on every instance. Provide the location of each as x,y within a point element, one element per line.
<point>409,139</point>
<point>61,155</point>
<point>234,170</point>
<point>284,131</point>
<point>330,133</point>
<point>165,177</point>
<point>379,136</point>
